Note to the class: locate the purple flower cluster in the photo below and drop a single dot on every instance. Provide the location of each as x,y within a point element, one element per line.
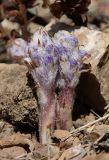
<point>71,58</point>
<point>49,56</point>
<point>54,63</point>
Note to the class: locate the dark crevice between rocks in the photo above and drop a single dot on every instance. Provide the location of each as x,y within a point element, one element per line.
<point>104,59</point>
<point>36,19</point>
<point>23,127</point>
<point>25,146</point>
<point>88,96</point>
<point>62,26</point>
<point>31,84</point>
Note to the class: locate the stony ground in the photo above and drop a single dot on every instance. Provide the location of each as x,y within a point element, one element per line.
<point>19,108</point>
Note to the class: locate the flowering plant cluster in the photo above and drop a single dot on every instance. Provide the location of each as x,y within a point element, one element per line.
<point>54,63</point>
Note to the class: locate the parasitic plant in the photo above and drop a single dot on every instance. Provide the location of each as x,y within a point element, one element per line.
<point>70,66</point>
<point>41,60</point>
<point>55,64</point>
<point>44,71</point>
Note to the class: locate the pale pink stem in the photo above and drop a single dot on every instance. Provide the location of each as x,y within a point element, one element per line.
<point>66,101</point>
<point>47,102</point>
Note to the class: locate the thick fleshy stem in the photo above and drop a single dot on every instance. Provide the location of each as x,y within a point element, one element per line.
<point>46,100</point>
<point>66,101</point>
<point>47,114</point>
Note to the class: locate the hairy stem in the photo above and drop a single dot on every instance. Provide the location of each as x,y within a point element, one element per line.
<point>47,102</point>
<point>66,101</point>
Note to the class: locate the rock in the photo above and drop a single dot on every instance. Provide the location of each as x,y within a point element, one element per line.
<point>60,134</point>
<point>101,156</point>
<point>89,118</point>
<point>9,26</point>
<point>40,11</point>
<point>11,153</point>
<point>17,102</point>
<point>73,153</point>
<point>93,88</point>
<point>17,139</point>
<point>94,42</point>
<point>99,10</point>
<point>101,129</point>
<point>6,129</point>
<point>47,152</point>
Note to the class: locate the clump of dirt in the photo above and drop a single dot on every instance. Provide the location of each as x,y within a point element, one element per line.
<point>17,102</point>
